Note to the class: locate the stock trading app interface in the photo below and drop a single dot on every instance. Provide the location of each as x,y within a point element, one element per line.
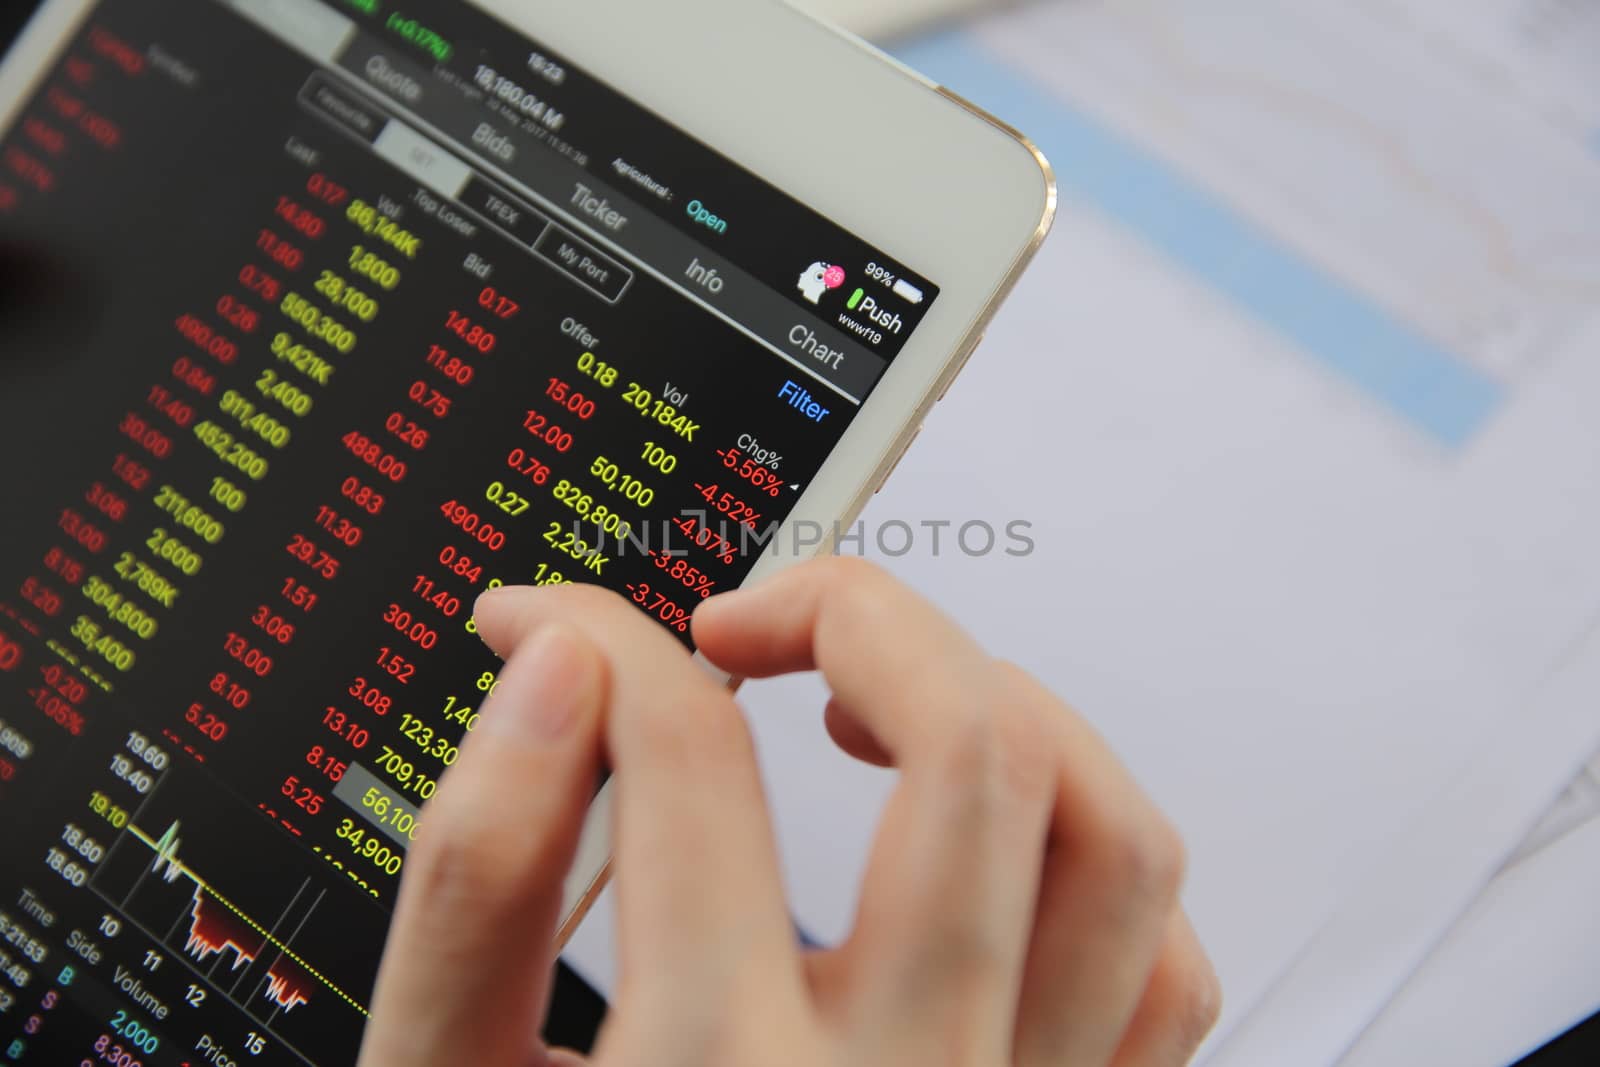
<point>288,376</point>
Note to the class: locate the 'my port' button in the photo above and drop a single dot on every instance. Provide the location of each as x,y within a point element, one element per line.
<point>584,263</point>
<point>799,398</point>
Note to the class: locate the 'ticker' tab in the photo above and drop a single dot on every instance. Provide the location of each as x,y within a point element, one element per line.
<point>598,208</point>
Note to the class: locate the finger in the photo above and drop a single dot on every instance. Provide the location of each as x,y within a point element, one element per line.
<point>848,733</point>
<point>947,902</point>
<point>1180,1006</point>
<point>561,1057</point>
<point>699,895</point>
<point>1113,863</point>
<point>1111,875</point>
<point>910,675</point>
<point>468,963</point>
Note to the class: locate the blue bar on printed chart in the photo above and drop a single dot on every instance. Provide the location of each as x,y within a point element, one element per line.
<point>1439,393</point>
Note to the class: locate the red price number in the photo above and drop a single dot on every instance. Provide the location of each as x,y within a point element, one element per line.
<point>460,564</point>
<point>411,628</point>
<point>343,530</point>
<point>206,339</point>
<point>41,596</point>
<point>194,376</point>
<point>59,563</point>
<point>407,432</point>
<point>145,436</point>
<point>373,455</point>
<point>362,496</point>
<point>319,560</point>
<point>568,398</point>
<point>239,315</point>
<point>274,626</point>
<point>259,282</point>
<point>326,763</point>
<point>451,367</point>
<point>370,696</point>
<point>299,594</point>
<point>280,251</point>
<point>325,189</point>
<point>300,218</point>
<point>396,666</point>
<point>429,399</point>
<point>471,523</point>
<point>519,460</point>
<point>547,432</point>
<point>10,654</point>
<point>342,725</point>
<point>82,530</point>
<point>166,404</point>
<point>470,332</point>
<point>251,658</point>
<point>210,725</point>
<point>497,303</point>
<point>439,599</point>
<point>134,475</point>
<point>232,693</point>
<point>303,795</point>
<point>106,502</point>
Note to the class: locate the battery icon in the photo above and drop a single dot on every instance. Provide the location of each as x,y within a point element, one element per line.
<point>906,291</point>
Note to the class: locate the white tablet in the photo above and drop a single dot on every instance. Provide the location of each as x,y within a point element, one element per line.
<point>320,317</point>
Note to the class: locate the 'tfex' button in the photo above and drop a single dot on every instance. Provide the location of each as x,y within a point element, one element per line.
<point>802,401</point>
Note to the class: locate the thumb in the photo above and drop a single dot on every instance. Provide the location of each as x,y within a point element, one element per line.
<point>467,968</point>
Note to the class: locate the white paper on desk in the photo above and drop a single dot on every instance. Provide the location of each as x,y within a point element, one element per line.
<point>1522,966</point>
<point>1299,402</point>
<point>1427,878</point>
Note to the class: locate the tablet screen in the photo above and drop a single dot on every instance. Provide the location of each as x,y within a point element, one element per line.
<point>316,321</point>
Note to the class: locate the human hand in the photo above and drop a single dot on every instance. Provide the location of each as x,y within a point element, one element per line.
<point>1020,906</point>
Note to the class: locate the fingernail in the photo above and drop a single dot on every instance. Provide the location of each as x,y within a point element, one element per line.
<point>543,688</point>
<point>732,596</point>
<point>499,592</point>
<point>490,600</point>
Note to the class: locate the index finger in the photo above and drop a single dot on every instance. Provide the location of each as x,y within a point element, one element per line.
<point>947,899</point>
<point>698,879</point>
<point>1102,866</point>
<point>468,958</point>
<point>891,659</point>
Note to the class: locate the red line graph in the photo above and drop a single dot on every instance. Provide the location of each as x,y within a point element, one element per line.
<point>217,927</point>
<point>213,930</point>
<point>285,988</point>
